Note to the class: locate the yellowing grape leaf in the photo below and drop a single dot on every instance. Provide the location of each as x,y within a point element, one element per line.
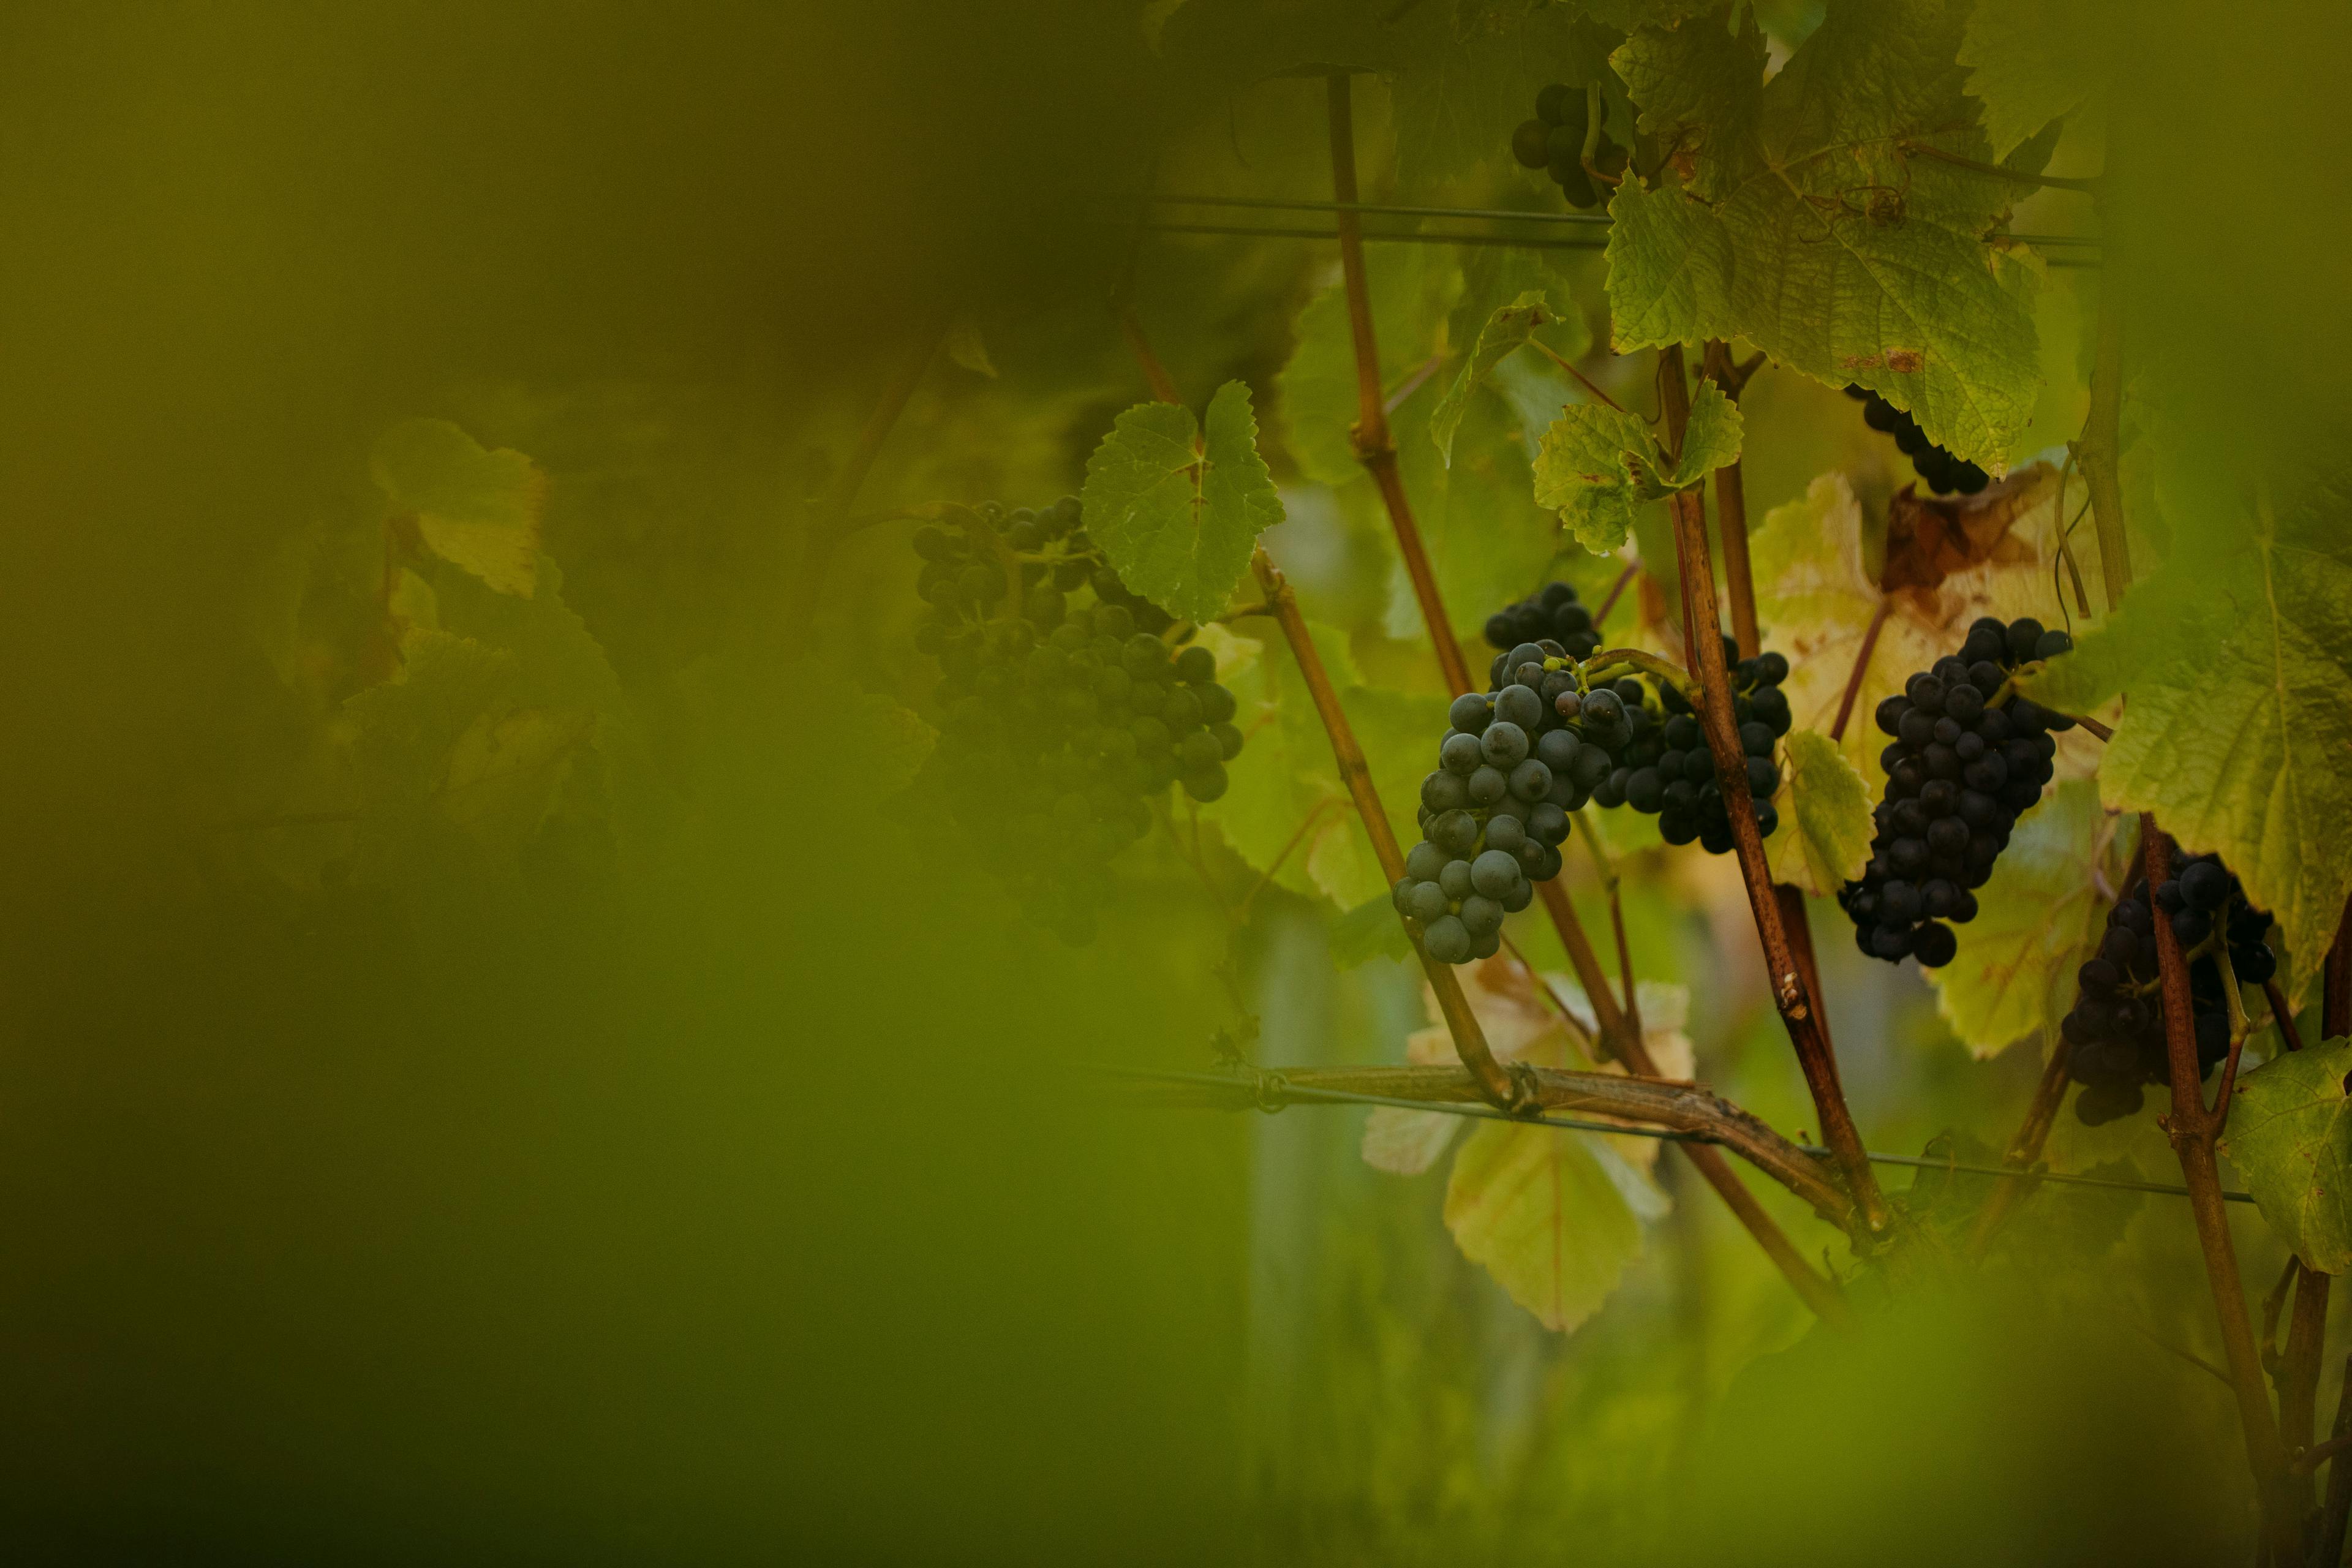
<point>2291,1142</point>
<point>1177,508</point>
<point>503,773</point>
<point>1809,221</point>
<point>2235,655</point>
<point>1596,464</point>
<point>477,508</point>
<point>1548,1213</point>
<point>1826,822</point>
<point>2039,919</point>
<point>1816,599</point>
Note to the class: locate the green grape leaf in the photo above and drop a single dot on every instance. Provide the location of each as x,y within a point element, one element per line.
<point>2235,654</point>
<point>2039,919</point>
<point>2031,62</point>
<point>1412,289</point>
<point>1825,822</point>
<point>1285,808</point>
<point>1597,464</point>
<point>1505,331</point>
<point>1472,70</point>
<point>2291,1142</point>
<point>1550,1214</point>
<point>1178,509</point>
<point>1810,221</point>
<point>1372,929</point>
<point>477,508</point>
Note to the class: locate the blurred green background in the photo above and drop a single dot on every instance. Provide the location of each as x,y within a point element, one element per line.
<point>734,1195</point>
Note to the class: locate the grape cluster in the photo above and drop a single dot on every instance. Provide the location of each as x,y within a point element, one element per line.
<point>2115,1035</point>
<point>1667,770</point>
<point>1062,716</point>
<point>1554,141</point>
<point>1552,613</point>
<point>1962,764</point>
<point>1944,473</point>
<point>1516,762</point>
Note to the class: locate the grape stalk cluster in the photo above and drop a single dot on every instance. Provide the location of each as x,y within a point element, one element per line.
<point>1944,473</point>
<point>1667,770</point>
<point>1965,759</point>
<point>1554,141</point>
<point>2115,1035</point>
<point>1063,714</point>
<point>1516,760</point>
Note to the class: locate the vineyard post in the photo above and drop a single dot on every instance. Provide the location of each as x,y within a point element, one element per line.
<point>1798,1005</point>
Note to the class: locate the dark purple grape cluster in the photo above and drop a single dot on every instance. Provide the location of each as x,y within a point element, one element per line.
<point>1060,718</point>
<point>1944,473</point>
<point>1554,141</point>
<point>1552,613</point>
<point>1965,759</point>
<point>2115,1037</point>
<point>1666,769</point>
<point>1514,761</point>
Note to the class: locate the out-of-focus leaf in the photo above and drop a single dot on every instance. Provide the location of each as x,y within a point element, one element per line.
<point>477,508</point>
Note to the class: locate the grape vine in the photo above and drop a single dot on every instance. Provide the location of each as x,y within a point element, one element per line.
<point>1061,720</point>
<point>1966,757</point>
<point>2115,1034</point>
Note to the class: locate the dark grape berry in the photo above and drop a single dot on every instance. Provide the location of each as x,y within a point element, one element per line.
<point>2115,1035</point>
<point>1965,761</point>
<point>1060,723</point>
<point>1667,770</point>
<point>1523,755</point>
<point>1944,473</point>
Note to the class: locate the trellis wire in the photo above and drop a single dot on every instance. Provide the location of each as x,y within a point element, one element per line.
<point>1272,1092</point>
<point>1595,239</point>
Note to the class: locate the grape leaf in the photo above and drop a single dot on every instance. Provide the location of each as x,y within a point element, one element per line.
<point>1285,780</point>
<point>2235,654</point>
<point>1805,224</point>
<point>1472,70</point>
<point>1316,395</point>
<point>477,509</point>
<point>2039,919</point>
<point>1550,1215</point>
<point>1176,508</point>
<point>1507,330</point>
<point>1596,464</point>
<point>2031,62</point>
<point>1372,929</point>
<point>2291,1140</point>
<point>1825,822</point>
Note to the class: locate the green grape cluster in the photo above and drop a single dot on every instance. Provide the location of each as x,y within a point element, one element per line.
<point>1553,142</point>
<point>1061,716</point>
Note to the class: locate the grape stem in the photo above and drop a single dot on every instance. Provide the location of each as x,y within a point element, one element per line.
<point>1584,1036</point>
<point>1615,589</point>
<point>2283,1016</point>
<point>1606,663</point>
<point>1731,506</point>
<point>1607,871</point>
<point>2193,1131</point>
<point>1507,1090</point>
<point>2025,1149</point>
<point>1375,447</point>
<point>1860,666</point>
<point>2238,1028</point>
<point>1799,1008</point>
<point>1582,379</point>
<point>2337,1504</point>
